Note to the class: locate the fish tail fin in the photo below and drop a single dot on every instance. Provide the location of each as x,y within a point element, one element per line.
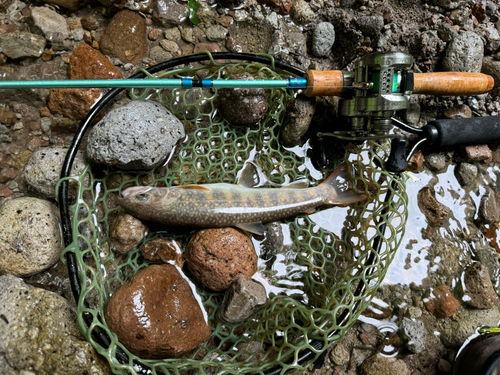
<point>342,192</point>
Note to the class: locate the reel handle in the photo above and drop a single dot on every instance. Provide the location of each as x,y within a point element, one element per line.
<point>467,131</point>
<point>452,83</point>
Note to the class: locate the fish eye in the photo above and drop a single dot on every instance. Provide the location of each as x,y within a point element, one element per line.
<point>142,197</point>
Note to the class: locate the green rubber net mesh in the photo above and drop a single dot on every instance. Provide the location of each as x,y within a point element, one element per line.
<point>318,282</point>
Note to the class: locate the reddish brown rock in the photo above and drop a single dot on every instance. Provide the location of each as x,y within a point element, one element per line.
<point>7,174</point>
<point>154,34</point>
<point>162,250</point>
<point>88,63</point>
<point>416,162</point>
<point>210,47</point>
<point>126,233</point>
<point>125,38</point>
<point>217,256</point>
<point>459,111</point>
<point>7,117</point>
<point>479,153</point>
<point>155,314</point>
<point>443,305</point>
<point>279,6</point>
<point>72,103</point>
<point>435,212</point>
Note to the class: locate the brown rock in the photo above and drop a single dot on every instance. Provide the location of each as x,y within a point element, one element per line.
<point>488,208</point>
<point>210,47</point>
<point>45,112</point>
<point>443,305</point>
<point>90,22</point>
<point>20,160</point>
<point>155,314</point>
<point>379,364</point>
<point>478,287</point>
<point>225,21</point>
<point>479,153</point>
<point>72,103</point>
<point>217,256</point>
<point>243,106</point>
<point>459,111</point>
<point>126,233</point>
<point>125,38</point>
<point>88,63</point>
<point>279,6</point>
<point>48,54</point>
<point>7,117</point>
<point>30,116</point>
<point>435,212</point>
<point>154,34</point>
<point>7,174</point>
<point>416,162</point>
<point>6,192</point>
<point>163,250</point>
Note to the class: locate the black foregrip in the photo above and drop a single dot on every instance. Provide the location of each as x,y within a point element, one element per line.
<point>466,131</point>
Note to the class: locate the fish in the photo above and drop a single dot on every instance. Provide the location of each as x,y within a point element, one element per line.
<point>239,205</point>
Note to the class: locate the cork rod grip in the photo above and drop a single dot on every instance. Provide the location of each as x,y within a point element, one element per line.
<point>324,83</point>
<point>452,83</point>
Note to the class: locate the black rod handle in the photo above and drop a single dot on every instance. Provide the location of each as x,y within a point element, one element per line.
<point>466,131</point>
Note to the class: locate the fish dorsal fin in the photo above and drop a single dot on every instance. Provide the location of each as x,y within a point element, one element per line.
<point>251,176</point>
<point>257,228</point>
<point>200,187</point>
<point>299,184</point>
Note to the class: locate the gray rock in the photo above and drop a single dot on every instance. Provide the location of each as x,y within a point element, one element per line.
<point>302,13</point>
<point>38,330</point>
<point>216,33</point>
<point>90,22</point>
<point>158,54</point>
<point>491,8</point>
<point>413,333</point>
<point>455,332</point>
<point>430,44</point>
<point>340,354</point>
<point>379,365</point>
<point>169,45</point>
<point>478,287</point>
<point>464,53</point>
<point>459,16</point>
<point>323,39</point>
<point>52,24</point>
<point>299,116</point>
<point>172,34</point>
<point>371,25</point>
<point>139,135</point>
<point>491,37</point>
<point>252,349</point>
<point>22,44</point>
<point>241,300</point>
<point>447,32</point>
<point>436,162</point>
<point>31,236</point>
<point>412,114</point>
<point>491,67</point>
<point>140,5</point>
<point>169,13</point>
<point>466,173</point>
<point>43,171</point>
<point>449,4</point>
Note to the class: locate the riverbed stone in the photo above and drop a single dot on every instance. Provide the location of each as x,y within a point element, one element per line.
<point>459,111</point>
<point>171,321</point>
<point>298,119</point>
<point>126,233</point>
<point>68,4</point>
<point>243,106</point>
<point>323,39</point>
<point>169,13</point>
<point>87,63</point>
<point>435,212</point>
<point>125,38</point>
<point>139,135</point>
<point>301,12</point>
<point>379,365</point>
<point>488,212</point>
<point>31,236</point>
<point>163,250</point>
<point>241,300</point>
<point>436,161</point>
<point>443,304</point>
<point>449,4</point>
<point>73,103</point>
<point>479,289</point>
<point>20,44</point>
<point>216,33</point>
<point>491,67</point>
<point>464,53</point>
<point>413,333</point>
<point>53,26</point>
<point>43,170</point>
<point>282,7</point>
<point>466,174</point>
<point>371,25</point>
<point>39,332</point>
<point>478,153</point>
<point>218,256</point>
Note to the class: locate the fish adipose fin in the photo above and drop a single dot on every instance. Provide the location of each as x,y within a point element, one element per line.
<point>257,228</point>
<point>201,187</point>
<point>344,195</point>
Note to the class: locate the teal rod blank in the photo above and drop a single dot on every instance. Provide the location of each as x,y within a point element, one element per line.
<point>292,83</point>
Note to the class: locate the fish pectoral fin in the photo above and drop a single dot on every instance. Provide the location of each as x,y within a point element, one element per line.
<point>257,228</point>
<point>251,176</point>
<point>201,187</point>
<point>300,184</point>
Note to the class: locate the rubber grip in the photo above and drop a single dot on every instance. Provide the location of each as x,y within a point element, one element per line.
<point>466,131</point>
<point>324,83</point>
<point>452,83</point>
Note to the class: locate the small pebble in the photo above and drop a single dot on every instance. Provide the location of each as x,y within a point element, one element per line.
<point>479,289</point>
<point>126,233</point>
